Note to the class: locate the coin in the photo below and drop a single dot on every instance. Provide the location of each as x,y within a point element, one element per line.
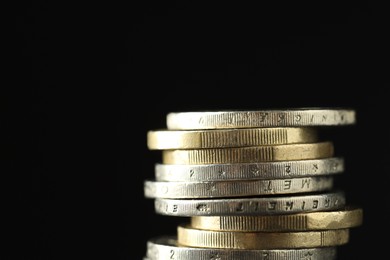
<point>347,217</point>
<point>219,138</point>
<point>215,189</point>
<point>316,116</point>
<point>166,247</point>
<point>189,236</point>
<point>284,152</point>
<point>248,171</point>
<point>251,205</point>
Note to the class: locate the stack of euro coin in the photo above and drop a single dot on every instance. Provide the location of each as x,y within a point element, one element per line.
<point>255,184</point>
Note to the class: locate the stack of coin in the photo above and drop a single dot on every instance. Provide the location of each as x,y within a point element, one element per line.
<point>254,184</point>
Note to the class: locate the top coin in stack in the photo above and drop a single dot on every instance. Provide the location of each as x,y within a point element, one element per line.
<point>290,117</point>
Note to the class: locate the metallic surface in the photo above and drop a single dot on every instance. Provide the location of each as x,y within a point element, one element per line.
<point>248,171</point>
<point>251,205</point>
<point>216,189</point>
<point>166,247</point>
<point>220,138</point>
<point>254,184</point>
<point>319,116</point>
<point>188,236</point>
<point>285,152</point>
<point>347,217</point>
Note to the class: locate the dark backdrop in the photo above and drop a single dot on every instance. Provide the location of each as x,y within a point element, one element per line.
<point>89,80</point>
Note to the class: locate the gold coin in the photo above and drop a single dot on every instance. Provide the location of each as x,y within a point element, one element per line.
<point>188,236</point>
<point>219,138</point>
<point>338,219</point>
<point>253,154</point>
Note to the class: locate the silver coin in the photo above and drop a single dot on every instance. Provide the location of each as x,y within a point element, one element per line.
<point>241,171</point>
<point>166,247</point>
<point>260,118</point>
<point>266,205</point>
<point>218,189</point>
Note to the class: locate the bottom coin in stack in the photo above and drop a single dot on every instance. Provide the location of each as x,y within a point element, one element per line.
<point>167,247</point>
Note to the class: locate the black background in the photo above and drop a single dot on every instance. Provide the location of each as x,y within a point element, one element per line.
<point>88,82</point>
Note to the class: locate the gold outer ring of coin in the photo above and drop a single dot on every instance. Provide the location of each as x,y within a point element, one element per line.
<point>219,138</point>
<point>349,217</point>
<point>284,152</point>
<point>316,116</point>
<point>188,236</point>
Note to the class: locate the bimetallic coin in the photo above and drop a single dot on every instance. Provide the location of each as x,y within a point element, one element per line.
<point>188,236</point>
<point>220,138</point>
<point>320,116</point>
<point>248,171</point>
<point>166,247</point>
<point>270,205</point>
<point>348,217</point>
<point>215,189</point>
<point>285,152</point>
